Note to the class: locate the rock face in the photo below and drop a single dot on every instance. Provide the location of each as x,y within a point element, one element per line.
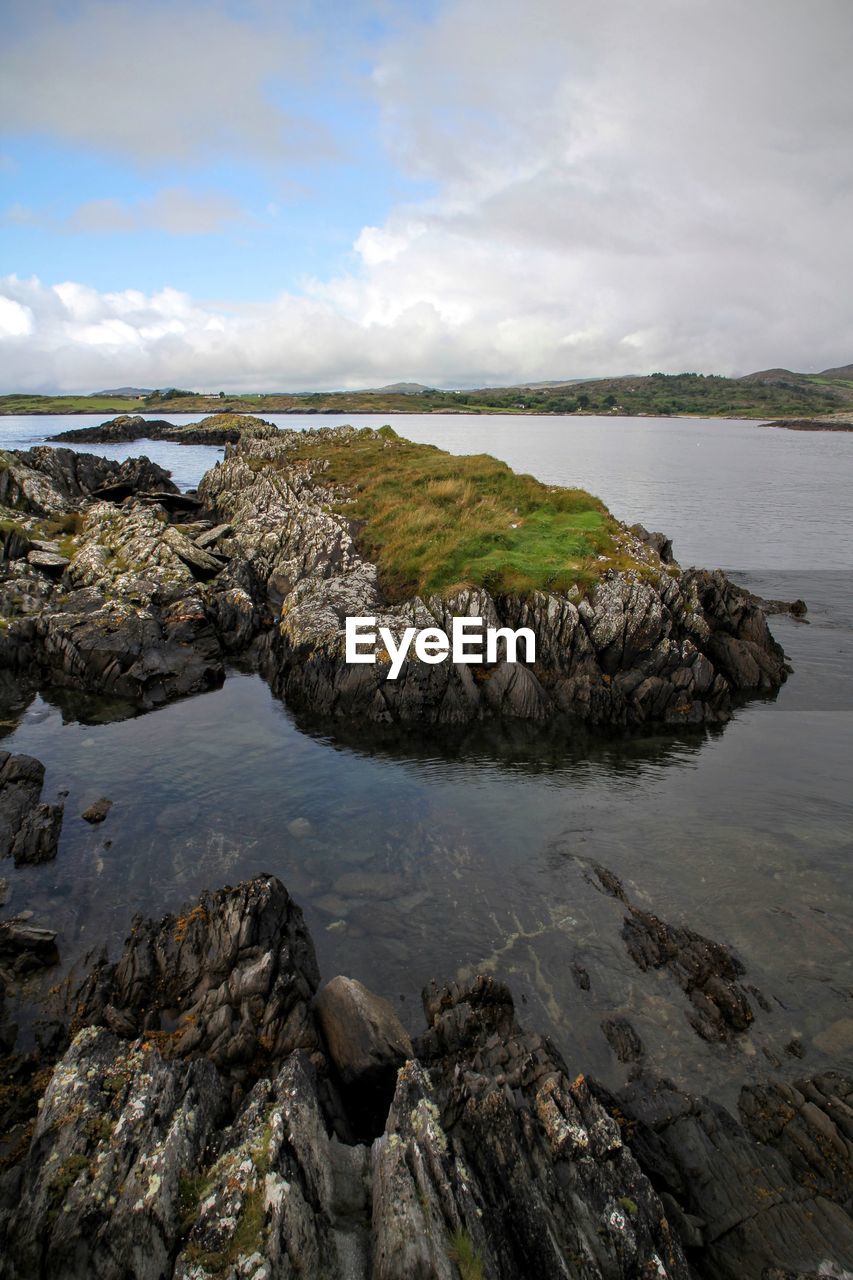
<point>29,830</point>
<point>230,980</point>
<point>770,1192</point>
<point>124,613</point>
<point>653,644</point>
<point>187,1132</point>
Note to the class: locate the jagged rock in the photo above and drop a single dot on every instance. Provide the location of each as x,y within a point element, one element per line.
<point>97,811</point>
<point>367,1043</point>
<point>281,1192</point>
<point>231,979</point>
<point>146,1160</point>
<point>665,646</point>
<point>708,972</point>
<point>29,830</point>
<point>46,482</point>
<point>651,645</point>
<point>659,542</point>
<point>774,1202</point>
<point>218,428</point>
<point>100,1191</point>
<point>492,1153</point>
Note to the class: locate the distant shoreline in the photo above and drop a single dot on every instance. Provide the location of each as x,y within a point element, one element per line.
<point>150,411</point>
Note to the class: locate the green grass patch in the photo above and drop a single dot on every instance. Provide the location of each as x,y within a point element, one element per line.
<point>433,522</point>
<point>469,1261</point>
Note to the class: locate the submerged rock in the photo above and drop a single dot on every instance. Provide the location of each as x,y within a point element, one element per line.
<point>708,972</point>
<point>97,811</point>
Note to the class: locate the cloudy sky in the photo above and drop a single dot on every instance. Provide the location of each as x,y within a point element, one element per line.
<point>286,194</point>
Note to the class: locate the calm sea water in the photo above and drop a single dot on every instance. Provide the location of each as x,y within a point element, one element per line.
<point>416,860</point>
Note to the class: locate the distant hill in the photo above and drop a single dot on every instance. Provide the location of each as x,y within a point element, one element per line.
<point>124,391</point>
<point>844,371</point>
<point>400,389</point>
<point>768,376</point>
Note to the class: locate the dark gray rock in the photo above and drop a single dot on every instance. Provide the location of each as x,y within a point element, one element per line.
<point>29,830</point>
<point>773,1193</point>
<point>231,979</point>
<point>708,972</point>
<point>194,1154</point>
<point>25,947</point>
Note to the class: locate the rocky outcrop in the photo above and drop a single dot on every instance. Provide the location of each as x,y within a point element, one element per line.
<point>121,611</point>
<point>650,644</point>
<point>29,829</point>
<point>45,482</point>
<point>218,428</point>
<point>187,1132</point>
<point>230,980</point>
<point>151,589</point>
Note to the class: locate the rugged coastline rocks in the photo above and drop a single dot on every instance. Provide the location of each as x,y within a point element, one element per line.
<point>217,428</point>
<point>149,591</point>
<point>126,616</point>
<point>194,1128</point>
<point>651,644</point>
<point>708,972</point>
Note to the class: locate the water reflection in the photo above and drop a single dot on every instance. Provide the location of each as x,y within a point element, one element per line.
<point>421,863</point>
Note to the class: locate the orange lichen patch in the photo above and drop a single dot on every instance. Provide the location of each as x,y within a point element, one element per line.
<point>183,923</point>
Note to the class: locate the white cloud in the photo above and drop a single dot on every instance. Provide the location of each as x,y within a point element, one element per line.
<point>16,320</point>
<point>617,188</point>
<point>159,82</point>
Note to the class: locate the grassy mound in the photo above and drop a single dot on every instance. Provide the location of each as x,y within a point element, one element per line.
<point>432,521</point>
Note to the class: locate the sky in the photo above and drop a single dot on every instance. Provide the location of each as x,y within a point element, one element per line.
<point>284,195</point>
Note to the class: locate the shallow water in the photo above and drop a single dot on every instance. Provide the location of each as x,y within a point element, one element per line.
<point>416,859</point>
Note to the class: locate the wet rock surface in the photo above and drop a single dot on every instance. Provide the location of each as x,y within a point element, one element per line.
<point>29,829</point>
<point>192,1129</point>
